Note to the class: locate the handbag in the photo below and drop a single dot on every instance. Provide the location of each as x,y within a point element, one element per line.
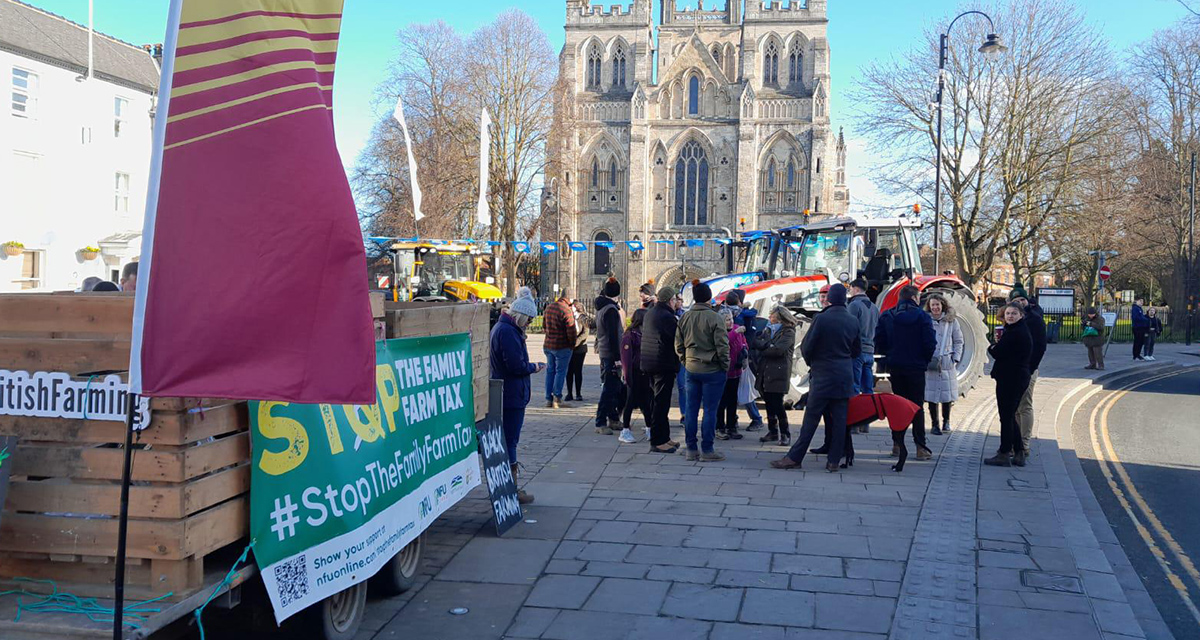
<point>1090,332</point>
<point>747,389</point>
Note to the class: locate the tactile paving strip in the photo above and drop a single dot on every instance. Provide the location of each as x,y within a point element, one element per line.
<point>938,591</point>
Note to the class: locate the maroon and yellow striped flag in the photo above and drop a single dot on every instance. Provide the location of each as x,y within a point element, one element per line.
<point>252,281</point>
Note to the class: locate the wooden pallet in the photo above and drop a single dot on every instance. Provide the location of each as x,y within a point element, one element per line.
<point>191,473</point>
<point>419,319</point>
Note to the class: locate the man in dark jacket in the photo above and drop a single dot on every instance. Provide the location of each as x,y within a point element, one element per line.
<point>661,363</point>
<point>610,325</point>
<point>1141,326</point>
<point>867,314</point>
<point>509,360</point>
<point>907,341</point>
<point>1037,334</point>
<point>829,347</point>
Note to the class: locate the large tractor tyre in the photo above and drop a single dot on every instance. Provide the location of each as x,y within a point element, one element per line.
<point>975,342</point>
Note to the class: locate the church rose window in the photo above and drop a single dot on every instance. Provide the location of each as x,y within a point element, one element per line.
<point>691,186</point>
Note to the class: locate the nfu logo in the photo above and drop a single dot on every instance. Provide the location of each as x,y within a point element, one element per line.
<point>441,493</point>
<point>426,507</point>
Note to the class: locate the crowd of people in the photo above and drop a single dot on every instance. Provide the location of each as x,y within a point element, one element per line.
<point>720,359</point>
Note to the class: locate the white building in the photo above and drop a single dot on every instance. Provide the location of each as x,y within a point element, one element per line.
<point>719,125</point>
<point>74,150</point>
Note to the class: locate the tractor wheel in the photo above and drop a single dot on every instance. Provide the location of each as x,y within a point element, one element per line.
<point>975,341</point>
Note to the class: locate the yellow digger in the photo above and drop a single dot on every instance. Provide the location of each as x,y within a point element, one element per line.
<point>425,272</point>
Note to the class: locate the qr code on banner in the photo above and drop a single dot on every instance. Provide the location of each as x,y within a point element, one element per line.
<point>292,580</point>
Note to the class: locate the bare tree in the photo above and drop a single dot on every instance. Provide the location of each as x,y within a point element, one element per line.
<point>1017,130</point>
<point>512,71</point>
<point>445,79</point>
<point>1165,114</point>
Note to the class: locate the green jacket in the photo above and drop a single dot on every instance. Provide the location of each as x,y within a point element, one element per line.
<point>702,341</point>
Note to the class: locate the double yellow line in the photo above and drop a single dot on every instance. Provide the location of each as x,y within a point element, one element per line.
<point>1148,525</point>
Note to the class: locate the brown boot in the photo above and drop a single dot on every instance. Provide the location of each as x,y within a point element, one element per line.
<point>522,497</point>
<point>785,463</point>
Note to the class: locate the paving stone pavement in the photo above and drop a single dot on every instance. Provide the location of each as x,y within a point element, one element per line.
<point>622,543</point>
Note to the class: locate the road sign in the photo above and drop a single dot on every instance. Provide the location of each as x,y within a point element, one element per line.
<point>1105,272</point>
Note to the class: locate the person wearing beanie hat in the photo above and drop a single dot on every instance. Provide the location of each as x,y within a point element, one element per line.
<point>611,288</point>
<point>660,363</point>
<point>702,344</point>
<point>830,347</point>
<point>823,296</point>
<point>610,328</point>
<point>906,339</point>
<point>1017,291</point>
<point>509,360</point>
<point>744,318</point>
<point>646,294</point>
<point>837,295</point>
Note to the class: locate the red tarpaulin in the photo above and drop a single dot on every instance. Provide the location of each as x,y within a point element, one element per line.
<point>252,280</point>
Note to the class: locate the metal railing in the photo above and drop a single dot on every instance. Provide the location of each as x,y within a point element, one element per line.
<point>1064,327</point>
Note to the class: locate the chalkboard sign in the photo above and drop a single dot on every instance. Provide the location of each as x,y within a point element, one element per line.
<point>8,449</point>
<point>502,486</point>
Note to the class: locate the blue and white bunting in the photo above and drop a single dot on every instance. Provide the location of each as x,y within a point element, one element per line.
<point>606,245</point>
<point>634,245</point>
<point>664,241</point>
<point>521,247</point>
<point>723,241</point>
<point>548,247</point>
<point>695,242</point>
<point>577,246</point>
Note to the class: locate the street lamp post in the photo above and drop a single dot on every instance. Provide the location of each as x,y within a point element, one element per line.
<point>557,233</point>
<point>1191,256</point>
<point>992,47</point>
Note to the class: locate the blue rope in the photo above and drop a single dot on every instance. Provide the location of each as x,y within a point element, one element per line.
<point>63,602</point>
<point>228,578</point>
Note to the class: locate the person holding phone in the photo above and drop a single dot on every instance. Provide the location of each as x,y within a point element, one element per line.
<point>510,363</point>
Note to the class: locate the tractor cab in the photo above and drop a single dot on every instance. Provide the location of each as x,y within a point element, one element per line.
<point>881,251</point>
<point>429,272</point>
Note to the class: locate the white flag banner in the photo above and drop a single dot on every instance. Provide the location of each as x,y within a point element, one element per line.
<point>412,161</point>
<point>485,147</point>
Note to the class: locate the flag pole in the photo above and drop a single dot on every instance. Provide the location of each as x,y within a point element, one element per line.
<point>123,524</point>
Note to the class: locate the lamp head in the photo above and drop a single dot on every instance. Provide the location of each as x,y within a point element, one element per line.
<point>993,46</point>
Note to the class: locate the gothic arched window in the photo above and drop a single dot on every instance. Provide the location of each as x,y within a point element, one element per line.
<point>618,68</point>
<point>780,187</point>
<point>795,66</point>
<point>716,53</point>
<point>694,96</point>
<point>593,67</point>
<point>606,186</point>
<point>691,186</point>
<point>612,173</point>
<point>603,259</point>
<point>771,65</point>
<point>595,172</point>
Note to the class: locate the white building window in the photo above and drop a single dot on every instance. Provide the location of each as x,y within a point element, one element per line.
<point>32,267</point>
<point>120,109</point>
<point>24,93</point>
<point>121,194</point>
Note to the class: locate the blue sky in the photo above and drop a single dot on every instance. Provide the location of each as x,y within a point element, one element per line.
<point>860,32</point>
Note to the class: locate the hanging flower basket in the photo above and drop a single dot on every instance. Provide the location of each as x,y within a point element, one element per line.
<point>89,253</point>
<point>13,248</point>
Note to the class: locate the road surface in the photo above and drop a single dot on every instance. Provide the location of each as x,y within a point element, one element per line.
<point>1139,442</point>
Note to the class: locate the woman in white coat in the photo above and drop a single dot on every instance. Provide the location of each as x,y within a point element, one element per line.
<point>941,379</point>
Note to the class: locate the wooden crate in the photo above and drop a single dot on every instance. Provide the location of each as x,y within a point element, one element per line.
<point>418,319</point>
<point>191,466</point>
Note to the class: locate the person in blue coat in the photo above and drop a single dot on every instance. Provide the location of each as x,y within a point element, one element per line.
<point>1141,326</point>
<point>510,363</point>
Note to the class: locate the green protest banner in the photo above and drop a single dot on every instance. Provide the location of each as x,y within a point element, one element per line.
<point>337,491</point>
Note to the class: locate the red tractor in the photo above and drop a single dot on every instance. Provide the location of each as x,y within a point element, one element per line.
<point>791,265</point>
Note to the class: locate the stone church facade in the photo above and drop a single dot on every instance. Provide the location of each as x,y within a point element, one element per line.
<point>721,126</point>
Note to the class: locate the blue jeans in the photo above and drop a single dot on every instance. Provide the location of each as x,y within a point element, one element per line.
<point>557,363</point>
<point>609,407</point>
<point>864,380</point>
<point>681,387</point>
<point>752,411</point>
<point>514,419</point>
<point>703,390</point>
